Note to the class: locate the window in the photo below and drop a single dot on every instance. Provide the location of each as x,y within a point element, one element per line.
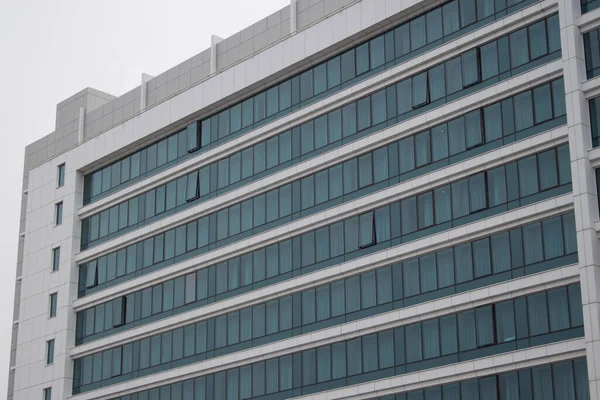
<point>471,73</point>
<point>91,275</point>
<point>595,120</point>
<point>367,230</point>
<point>55,258</point>
<point>193,134</point>
<point>588,5</point>
<point>192,187</point>
<point>50,352</point>
<point>119,311</point>
<point>538,45</point>
<point>591,45</point>
<point>53,300</point>
<point>58,213</point>
<point>47,394</point>
<point>60,175</point>
<point>420,90</point>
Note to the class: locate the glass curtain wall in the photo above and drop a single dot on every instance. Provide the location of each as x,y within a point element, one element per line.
<point>523,322</point>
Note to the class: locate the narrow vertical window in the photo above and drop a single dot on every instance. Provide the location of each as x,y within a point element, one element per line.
<point>538,45</point>
<point>60,176</point>
<point>53,300</point>
<point>471,73</point>
<point>119,311</point>
<point>50,352</point>
<point>591,46</point>
<point>55,258</point>
<point>594,105</point>
<point>367,230</point>
<point>193,137</point>
<point>47,394</point>
<point>484,323</point>
<point>58,213</point>
<point>91,275</point>
<point>192,187</point>
<point>420,90</point>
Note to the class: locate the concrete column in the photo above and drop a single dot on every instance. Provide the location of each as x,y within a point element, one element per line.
<point>293,5</point>
<point>214,40</point>
<point>143,94</point>
<point>584,183</point>
<point>81,126</point>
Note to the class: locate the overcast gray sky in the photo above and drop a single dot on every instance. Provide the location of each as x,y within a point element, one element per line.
<point>51,49</point>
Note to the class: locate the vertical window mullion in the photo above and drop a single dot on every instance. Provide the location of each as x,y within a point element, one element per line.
<point>556,155</point>
<point>482,126</point>
<point>548,326</point>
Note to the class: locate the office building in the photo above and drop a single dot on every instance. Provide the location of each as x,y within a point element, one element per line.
<point>349,199</point>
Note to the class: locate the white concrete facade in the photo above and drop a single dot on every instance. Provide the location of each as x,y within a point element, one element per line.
<point>347,26</point>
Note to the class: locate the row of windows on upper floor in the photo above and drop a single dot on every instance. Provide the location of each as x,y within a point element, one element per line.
<point>521,251</point>
<point>473,69</point>
<point>527,321</point>
<point>502,188</point>
<point>420,34</point>
<point>558,381</point>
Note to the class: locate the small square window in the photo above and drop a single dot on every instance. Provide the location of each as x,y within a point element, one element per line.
<point>58,213</point>
<point>60,178</point>
<point>55,258</point>
<point>53,301</point>
<point>47,394</point>
<point>50,352</point>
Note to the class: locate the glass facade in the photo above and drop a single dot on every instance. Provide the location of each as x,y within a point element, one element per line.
<point>488,63</point>
<point>424,32</point>
<point>481,195</point>
<point>446,182</point>
<point>525,250</point>
<point>474,133</point>
<point>527,321</point>
<point>561,380</point>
